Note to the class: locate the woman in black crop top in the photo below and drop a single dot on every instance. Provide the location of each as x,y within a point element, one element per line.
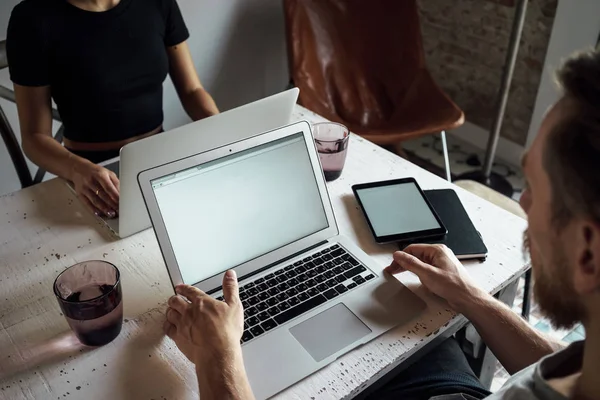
<point>103,62</point>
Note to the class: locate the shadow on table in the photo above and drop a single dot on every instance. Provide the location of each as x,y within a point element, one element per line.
<point>66,211</point>
<point>142,362</point>
<point>361,228</point>
<point>53,351</point>
<point>365,239</point>
<point>145,372</point>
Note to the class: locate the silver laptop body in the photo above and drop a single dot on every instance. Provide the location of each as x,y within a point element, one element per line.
<point>260,206</point>
<point>230,126</point>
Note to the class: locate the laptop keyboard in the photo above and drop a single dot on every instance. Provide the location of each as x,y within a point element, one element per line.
<point>298,288</point>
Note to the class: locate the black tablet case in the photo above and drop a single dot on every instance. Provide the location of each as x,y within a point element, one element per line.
<point>462,237</point>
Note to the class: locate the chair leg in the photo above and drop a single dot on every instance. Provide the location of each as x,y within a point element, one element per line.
<point>14,151</point>
<point>446,156</point>
<point>527,295</point>
<point>398,149</point>
<point>60,133</point>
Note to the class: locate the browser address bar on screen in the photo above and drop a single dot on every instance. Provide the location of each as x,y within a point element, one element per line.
<point>215,164</point>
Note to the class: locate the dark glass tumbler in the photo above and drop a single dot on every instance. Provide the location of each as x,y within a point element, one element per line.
<point>89,294</point>
<point>332,140</point>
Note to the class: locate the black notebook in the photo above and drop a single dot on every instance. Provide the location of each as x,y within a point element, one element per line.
<point>462,237</point>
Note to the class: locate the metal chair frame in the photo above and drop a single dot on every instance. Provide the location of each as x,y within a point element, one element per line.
<point>10,139</point>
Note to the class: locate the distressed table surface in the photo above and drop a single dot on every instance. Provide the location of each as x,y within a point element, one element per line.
<point>44,229</point>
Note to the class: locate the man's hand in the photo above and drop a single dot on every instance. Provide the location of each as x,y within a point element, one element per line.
<point>208,332</point>
<point>512,340</point>
<point>439,270</point>
<point>203,328</point>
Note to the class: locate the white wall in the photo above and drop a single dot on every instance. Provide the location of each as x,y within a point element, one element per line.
<point>239,50</point>
<point>576,27</point>
<point>238,47</point>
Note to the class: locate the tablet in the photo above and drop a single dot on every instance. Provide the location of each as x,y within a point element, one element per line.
<point>397,210</point>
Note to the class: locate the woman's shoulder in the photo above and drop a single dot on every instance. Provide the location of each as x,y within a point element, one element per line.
<point>36,9</point>
<point>164,6</point>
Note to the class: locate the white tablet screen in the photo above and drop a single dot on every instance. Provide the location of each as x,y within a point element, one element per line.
<point>397,209</point>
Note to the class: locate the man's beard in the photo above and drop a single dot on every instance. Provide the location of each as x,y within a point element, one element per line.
<point>553,286</point>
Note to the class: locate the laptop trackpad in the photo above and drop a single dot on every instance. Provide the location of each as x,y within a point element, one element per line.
<point>329,332</point>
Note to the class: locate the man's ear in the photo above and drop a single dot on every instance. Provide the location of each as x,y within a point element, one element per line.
<point>587,250</point>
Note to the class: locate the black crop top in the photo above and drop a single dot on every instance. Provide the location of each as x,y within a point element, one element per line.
<point>105,70</point>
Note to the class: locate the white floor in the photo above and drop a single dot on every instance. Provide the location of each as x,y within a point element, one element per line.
<point>464,157</point>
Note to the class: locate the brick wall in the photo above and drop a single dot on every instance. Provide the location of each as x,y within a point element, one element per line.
<point>465,44</point>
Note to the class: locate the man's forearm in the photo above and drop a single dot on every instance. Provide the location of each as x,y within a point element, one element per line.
<point>199,104</point>
<point>512,340</point>
<point>224,378</point>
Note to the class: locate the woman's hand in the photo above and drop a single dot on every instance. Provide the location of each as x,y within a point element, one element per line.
<point>97,188</point>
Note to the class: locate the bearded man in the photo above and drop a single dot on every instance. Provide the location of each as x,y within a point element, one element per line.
<point>562,202</point>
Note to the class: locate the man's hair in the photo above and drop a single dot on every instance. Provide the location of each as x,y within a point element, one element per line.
<point>572,153</point>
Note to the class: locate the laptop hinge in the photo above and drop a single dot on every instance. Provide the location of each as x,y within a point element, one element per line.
<point>283,260</point>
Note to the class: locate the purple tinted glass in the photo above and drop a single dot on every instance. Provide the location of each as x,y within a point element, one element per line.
<point>89,294</point>
<point>332,144</point>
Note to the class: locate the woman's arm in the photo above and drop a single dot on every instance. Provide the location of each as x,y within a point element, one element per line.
<point>196,101</point>
<point>35,116</point>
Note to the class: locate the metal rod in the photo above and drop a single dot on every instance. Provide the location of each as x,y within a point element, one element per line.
<point>527,295</point>
<point>14,151</point>
<point>507,75</point>
<point>3,57</point>
<point>446,156</point>
<point>7,94</point>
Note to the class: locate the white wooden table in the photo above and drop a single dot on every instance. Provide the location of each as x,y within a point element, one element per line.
<point>44,229</point>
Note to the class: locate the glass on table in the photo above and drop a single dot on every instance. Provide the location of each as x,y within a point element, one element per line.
<point>89,294</point>
<point>332,140</point>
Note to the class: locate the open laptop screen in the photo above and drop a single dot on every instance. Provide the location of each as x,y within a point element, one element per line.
<point>226,212</point>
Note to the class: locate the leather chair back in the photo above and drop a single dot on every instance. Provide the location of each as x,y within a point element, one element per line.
<point>354,60</point>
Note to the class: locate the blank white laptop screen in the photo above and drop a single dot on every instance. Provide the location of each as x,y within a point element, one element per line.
<point>229,211</point>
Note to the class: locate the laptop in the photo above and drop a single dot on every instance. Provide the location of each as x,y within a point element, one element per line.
<point>260,206</point>
<point>227,127</point>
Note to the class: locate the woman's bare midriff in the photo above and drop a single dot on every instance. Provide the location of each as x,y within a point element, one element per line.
<point>105,146</point>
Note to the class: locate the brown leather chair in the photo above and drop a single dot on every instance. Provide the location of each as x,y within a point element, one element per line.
<point>361,63</point>
<point>8,135</point>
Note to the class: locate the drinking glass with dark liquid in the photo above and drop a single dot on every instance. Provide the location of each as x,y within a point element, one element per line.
<point>89,294</point>
<point>332,144</point>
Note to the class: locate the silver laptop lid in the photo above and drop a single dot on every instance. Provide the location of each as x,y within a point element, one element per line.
<point>243,206</point>
<point>203,135</point>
